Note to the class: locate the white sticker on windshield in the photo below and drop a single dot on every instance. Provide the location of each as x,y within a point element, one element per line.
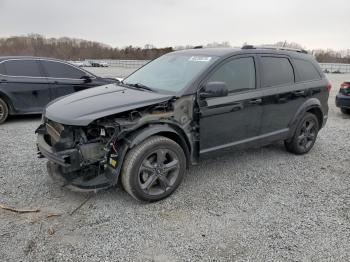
<point>200,58</point>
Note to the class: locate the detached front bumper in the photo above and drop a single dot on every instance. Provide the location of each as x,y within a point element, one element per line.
<point>69,159</point>
<point>70,169</point>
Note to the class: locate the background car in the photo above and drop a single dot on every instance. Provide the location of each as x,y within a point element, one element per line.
<point>342,99</point>
<point>99,64</point>
<point>28,84</point>
<point>77,63</point>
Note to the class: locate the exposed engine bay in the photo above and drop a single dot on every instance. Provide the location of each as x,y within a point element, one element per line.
<point>90,157</point>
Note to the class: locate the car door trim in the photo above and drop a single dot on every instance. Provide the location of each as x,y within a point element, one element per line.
<point>281,132</point>
<point>234,97</point>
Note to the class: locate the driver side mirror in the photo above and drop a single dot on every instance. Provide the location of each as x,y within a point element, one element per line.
<point>214,89</point>
<point>86,78</point>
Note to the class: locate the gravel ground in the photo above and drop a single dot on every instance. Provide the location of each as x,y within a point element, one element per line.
<point>255,205</point>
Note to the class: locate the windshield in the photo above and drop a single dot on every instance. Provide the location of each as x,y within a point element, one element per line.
<point>170,72</point>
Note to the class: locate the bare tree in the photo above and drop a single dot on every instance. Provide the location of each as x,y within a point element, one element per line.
<point>73,49</point>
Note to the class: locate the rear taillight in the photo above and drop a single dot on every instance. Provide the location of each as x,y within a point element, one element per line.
<point>345,88</point>
<point>329,86</point>
<point>345,85</point>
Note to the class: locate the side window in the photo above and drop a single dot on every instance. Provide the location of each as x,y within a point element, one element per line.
<point>306,70</point>
<point>22,68</point>
<point>238,74</point>
<point>61,70</point>
<point>276,71</point>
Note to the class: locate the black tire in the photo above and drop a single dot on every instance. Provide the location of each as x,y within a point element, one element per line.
<point>154,169</point>
<point>4,111</point>
<point>305,135</point>
<point>345,111</point>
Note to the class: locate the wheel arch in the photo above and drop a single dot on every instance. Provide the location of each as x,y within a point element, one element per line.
<point>170,131</point>
<point>7,100</point>
<point>313,106</point>
<point>318,113</point>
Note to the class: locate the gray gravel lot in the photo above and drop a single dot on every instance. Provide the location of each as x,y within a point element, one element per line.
<point>255,205</point>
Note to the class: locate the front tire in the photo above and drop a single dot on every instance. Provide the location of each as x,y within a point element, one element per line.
<point>4,111</point>
<point>154,169</point>
<point>305,135</point>
<point>345,111</point>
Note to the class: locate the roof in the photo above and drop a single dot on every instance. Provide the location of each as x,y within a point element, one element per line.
<point>208,51</point>
<point>224,52</point>
<point>26,57</point>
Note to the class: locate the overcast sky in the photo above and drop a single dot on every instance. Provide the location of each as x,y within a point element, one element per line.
<point>313,24</point>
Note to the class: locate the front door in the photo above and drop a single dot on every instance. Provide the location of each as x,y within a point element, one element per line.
<point>27,87</point>
<point>233,119</point>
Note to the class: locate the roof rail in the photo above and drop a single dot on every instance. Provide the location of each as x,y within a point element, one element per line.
<point>272,47</point>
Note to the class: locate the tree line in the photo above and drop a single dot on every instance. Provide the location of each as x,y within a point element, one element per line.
<point>74,49</point>
<point>77,49</point>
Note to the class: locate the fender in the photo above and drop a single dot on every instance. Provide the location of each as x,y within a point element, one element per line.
<point>138,136</point>
<point>309,104</point>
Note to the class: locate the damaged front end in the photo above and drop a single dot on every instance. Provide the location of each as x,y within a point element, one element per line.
<point>90,157</point>
<point>78,156</point>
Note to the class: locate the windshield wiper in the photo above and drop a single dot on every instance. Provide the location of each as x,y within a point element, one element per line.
<point>139,85</point>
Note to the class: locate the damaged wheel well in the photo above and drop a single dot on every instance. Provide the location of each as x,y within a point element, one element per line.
<point>165,130</point>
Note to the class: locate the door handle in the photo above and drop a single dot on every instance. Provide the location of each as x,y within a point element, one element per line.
<point>255,101</point>
<point>299,93</point>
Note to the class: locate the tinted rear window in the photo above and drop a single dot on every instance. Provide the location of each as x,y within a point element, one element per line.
<point>22,68</point>
<point>307,70</point>
<point>276,71</point>
<point>61,70</point>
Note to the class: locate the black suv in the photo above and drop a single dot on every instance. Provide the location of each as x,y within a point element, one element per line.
<point>28,84</point>
<point>150,127</point>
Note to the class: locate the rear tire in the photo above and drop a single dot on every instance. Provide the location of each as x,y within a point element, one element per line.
<point>345,111</point>
<point>154,169</point>
<point>305,135</point>
<point>4,111</point>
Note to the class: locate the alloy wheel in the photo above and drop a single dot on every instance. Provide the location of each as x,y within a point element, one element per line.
<point>158,171</point>
<point>2,111</point>
<point>307,134</point>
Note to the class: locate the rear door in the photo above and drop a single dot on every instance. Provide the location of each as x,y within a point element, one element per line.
<point>233,119</point>
<point>24,82</point>
<point>65,79</point>
<point>282,96</point>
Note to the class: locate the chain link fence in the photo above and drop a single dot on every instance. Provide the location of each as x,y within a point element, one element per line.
<point>135,64</point>
<point>120,63</point>
<point>335,68</point>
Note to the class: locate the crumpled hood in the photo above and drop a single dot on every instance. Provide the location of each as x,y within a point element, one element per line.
<point>83,107</point>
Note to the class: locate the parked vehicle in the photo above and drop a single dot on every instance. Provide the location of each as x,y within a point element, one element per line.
<point>180,107</point>
<point>77,63</point>
<point>28,84</point>
<point>99,64</point>
<point>86,64</point>
<point>342,99</point>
